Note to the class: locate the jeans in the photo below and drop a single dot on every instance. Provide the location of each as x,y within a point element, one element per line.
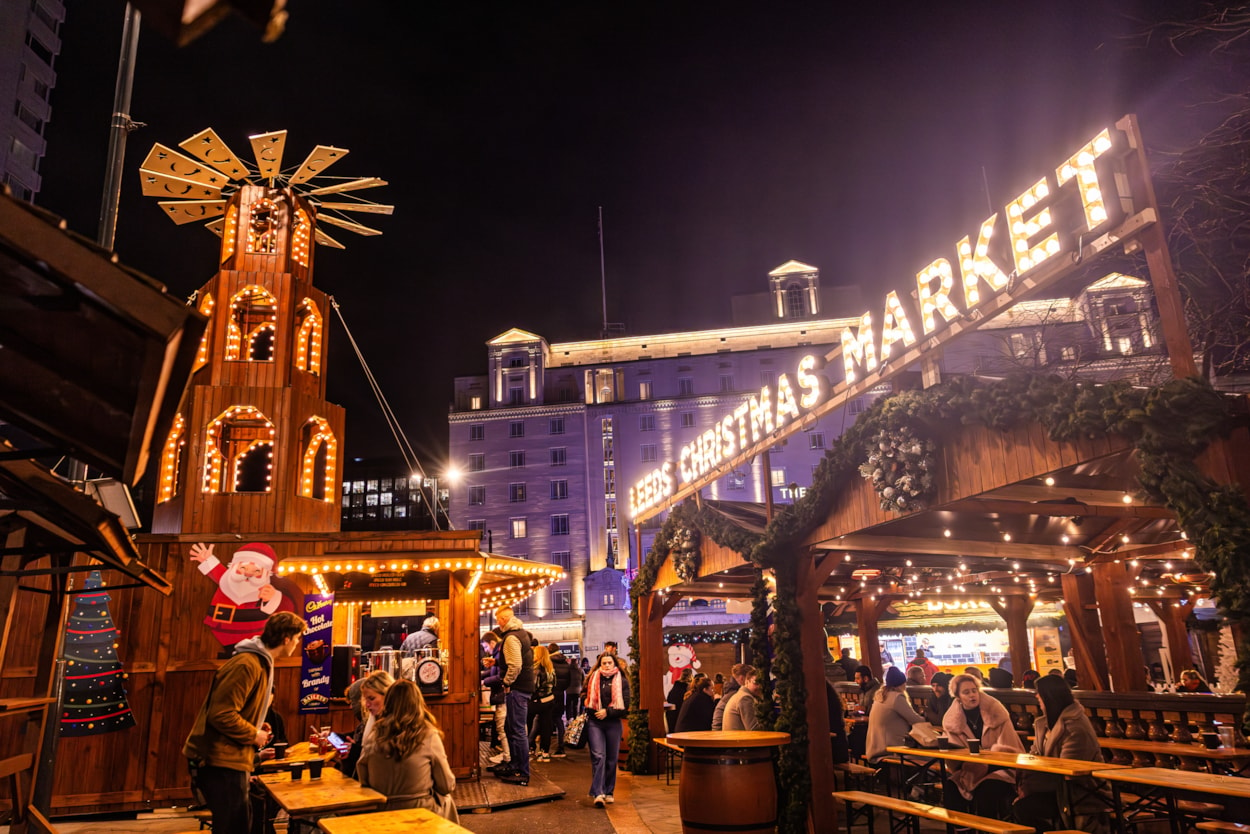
<point>225,792</point>
<point>604,738</point>
<point>514,724</point>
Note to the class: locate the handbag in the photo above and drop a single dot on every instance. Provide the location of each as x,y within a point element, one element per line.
<point>575,733</point>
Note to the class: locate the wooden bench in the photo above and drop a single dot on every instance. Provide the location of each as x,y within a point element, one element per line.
<point>1219,827</point>
<point>910,813</point>
<point>672,759</point>
<point>854,776</point>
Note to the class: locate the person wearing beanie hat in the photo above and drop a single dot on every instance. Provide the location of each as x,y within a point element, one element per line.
<point>892,715</point>
<point>935,707</point>
<point>245,595</point>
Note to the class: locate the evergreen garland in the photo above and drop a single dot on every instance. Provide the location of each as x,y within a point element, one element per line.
<point>761,650</point>
<point>685,550</point>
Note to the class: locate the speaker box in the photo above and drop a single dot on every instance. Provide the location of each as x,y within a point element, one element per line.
<point>344,669</point>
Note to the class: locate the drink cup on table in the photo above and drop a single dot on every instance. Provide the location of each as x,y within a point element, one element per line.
<point>297,771</point>
<point>974,745</point>
<point>279,750</point>
<point>314,769</point>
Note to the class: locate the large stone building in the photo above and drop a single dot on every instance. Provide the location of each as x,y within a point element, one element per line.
<point>552,436</point>
<point>29,43</point>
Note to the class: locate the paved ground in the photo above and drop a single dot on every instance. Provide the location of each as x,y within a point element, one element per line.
<point>644,805</point>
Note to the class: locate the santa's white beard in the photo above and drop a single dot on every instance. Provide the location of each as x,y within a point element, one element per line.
<point>242,589</point>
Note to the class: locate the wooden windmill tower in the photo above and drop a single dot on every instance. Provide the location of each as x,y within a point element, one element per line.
<point>255,446</point>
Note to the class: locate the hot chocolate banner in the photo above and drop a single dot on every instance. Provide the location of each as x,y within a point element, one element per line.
<point>314,693</point>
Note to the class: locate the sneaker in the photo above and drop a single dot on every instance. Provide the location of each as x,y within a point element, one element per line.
<point>559,754</point>
<point>496,759</point>
<point>502,770</point>
<point>609,799</point>
<point>540,757</point>
<point>600,800</point>
<point>516,779</point>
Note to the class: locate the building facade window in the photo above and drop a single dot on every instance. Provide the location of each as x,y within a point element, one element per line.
<point>855,406</point>
<point>516,493</point>
<point>475,403</point>
<point>648,452</point>
<point>609,481</point>
<point>559,490</point>
<point>609,600</point>
<point>685,387</point>
<point>556,425</point>
<point>609,450</point>
<point>477,524</point>
<point>562,601</point>
<point>477,496</point>
<point>644,390</point>
<point>516,428</point>
<point>726,383</point>
<point>736,480</point>
<point>519,529</point>
<point>516,459</point>
<point>560,524</point>
<point>558,456</point>
<point>477,462</point>
<point>816,440</point>
<point>778,476</point>
<point>687,419</point>
<point>646,422</point>
<point>477,431</point>
<point>561,559</point>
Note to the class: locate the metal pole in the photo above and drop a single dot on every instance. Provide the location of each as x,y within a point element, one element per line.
<point>119,128</point>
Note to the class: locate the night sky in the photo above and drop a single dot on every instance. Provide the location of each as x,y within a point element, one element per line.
<point>721,139</point>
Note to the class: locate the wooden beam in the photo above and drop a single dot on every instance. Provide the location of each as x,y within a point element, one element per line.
<point>1101,500</point>
<point>813,569</point>
<point>1048,507</point>
<point>1083,625</point>
<point>1125,667</point>
<point>1173,617</point>
<point>953,547</point>
<point>653,661</point>
<point>1015,611</point>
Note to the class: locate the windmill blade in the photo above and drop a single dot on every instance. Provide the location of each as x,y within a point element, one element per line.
<point>350,225</point>
<point>367,208</point>
<point>190,211</point>
<point>168,162</point>
<point>321,158</point>
<point>207,145</point>
<point>268,149</point>
<point>353,185</point>
<point>162,185</point>
<point>325,240</point>
<point>217,226</point>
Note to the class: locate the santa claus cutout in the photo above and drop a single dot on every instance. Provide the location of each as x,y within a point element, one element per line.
<point>246,594</point>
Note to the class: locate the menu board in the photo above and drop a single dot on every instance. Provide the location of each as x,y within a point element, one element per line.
<point>403,584</point>
<point>314,694</point>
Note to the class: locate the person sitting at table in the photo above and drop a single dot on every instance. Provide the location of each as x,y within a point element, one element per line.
<point>676,697</point>
<point>974,715</point>
<point>1062,731</point>
<point>405,759</point>
<point>915,676</point>
<point>372,692</point>
<point>696,711</point>
<point>1029,679</point>
<point>1191,681</point>
<point>837,724</point>
<point>892,716</point>
<point>935,708</point>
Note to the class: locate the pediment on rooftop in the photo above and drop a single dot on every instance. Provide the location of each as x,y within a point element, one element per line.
<point>514,336</point>
<point>791,267</point>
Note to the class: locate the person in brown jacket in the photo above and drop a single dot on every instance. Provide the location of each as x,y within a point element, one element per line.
<point>230,725</point>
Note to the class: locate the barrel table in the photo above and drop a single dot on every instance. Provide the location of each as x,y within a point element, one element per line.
<point>727,780</point>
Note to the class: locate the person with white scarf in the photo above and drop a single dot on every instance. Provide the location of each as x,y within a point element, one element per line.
<point>607,702</point>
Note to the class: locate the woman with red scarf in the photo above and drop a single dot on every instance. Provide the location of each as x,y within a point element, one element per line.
<point>607,702</point>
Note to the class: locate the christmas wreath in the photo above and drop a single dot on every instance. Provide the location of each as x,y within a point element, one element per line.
<point>900,465</point>
<point>685,551</point>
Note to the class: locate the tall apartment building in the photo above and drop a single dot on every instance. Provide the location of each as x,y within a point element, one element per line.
<point>551,437</point>
<point>29,44</point>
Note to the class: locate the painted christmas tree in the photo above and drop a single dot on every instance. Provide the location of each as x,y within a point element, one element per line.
<point>95,700</point>
<point>1226,673</point>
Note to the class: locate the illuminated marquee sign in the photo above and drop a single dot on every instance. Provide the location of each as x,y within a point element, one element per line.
<point>751,422</point>
<point>1036,226</point>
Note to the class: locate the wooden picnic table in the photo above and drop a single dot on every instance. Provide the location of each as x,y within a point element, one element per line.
<point>391,822</point>
<point>1161,785</point>
<point>333,792</point>
<point>300,753</point>
<point>1221,759</point>
<point>1066,768</point>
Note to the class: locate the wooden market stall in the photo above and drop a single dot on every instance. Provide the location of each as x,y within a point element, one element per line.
<point>1009,513</point>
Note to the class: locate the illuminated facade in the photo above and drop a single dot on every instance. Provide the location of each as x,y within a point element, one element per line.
<point>552,438</point>
<point>29,43</point>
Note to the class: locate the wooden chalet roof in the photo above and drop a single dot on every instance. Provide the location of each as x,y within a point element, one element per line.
<point>1006,503</point>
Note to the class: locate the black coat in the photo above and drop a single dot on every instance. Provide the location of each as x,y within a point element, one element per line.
<point>696,713</point>
<point>561,665</point>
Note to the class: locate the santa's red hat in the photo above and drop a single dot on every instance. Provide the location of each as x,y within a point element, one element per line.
<point>261,554</point>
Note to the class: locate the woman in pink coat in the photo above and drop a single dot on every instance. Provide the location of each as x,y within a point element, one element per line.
<point>980,788</point>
